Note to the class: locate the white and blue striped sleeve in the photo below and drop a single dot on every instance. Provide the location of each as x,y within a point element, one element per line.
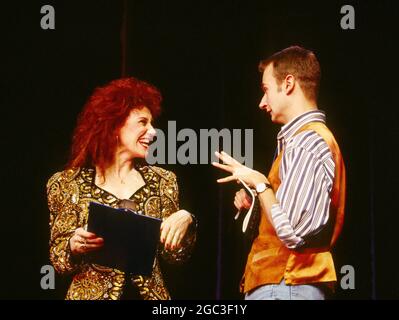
<point>307,173</point>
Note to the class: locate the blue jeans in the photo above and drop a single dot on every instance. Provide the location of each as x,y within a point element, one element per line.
<point>282,291</point>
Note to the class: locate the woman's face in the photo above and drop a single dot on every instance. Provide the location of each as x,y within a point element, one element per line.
<point>137,133</point>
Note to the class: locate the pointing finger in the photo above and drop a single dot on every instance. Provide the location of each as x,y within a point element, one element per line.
<point>227,179</point>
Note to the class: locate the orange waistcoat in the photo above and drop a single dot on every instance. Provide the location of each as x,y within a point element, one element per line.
<point>270,260</point>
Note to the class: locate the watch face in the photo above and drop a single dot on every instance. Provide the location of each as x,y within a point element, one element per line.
<point>260,187</point>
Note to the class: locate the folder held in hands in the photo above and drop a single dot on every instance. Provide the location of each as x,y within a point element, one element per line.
<point>130,239</point>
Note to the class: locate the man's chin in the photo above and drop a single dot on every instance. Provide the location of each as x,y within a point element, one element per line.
<point>276,120</point>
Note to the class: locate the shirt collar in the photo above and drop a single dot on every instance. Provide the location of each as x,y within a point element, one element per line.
<point>288,130</point>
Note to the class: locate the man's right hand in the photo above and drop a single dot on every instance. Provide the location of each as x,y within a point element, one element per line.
<point>242,200</point>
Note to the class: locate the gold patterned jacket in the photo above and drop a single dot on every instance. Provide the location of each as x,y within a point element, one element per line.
<point>69,193</point>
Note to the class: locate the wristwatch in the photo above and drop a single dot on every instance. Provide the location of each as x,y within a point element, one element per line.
<point>260,187</point>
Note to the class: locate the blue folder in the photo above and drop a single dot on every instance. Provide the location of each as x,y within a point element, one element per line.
<point>130,239</point>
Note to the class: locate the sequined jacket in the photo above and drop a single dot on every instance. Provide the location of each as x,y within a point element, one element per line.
<point>69,193</point>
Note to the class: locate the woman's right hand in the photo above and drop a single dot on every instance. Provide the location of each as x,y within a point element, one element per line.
<point>83,242</point>
<point>242,200</point>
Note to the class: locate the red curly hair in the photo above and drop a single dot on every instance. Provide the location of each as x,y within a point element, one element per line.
<point>94,140</point>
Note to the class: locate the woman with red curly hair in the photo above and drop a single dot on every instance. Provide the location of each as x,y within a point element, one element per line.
<point>107,166</point>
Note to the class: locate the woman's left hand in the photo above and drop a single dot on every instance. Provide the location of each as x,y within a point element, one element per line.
<point>174,228</point>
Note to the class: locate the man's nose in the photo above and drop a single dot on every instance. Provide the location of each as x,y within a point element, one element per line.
<point>263,102</point>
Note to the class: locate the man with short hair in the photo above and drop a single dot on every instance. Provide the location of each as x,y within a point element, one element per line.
<point>302,200</point>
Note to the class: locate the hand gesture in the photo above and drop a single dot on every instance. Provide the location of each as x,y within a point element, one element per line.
<point>238,171</point>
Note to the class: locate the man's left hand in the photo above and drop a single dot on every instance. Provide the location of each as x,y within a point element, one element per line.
<point>238,171</point>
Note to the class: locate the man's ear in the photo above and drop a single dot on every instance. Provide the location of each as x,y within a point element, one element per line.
<point>289,84</point>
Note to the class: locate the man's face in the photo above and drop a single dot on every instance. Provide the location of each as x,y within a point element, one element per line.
<point>273,100</point>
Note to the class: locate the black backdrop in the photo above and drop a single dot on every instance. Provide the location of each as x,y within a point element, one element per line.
<point>203,56</point>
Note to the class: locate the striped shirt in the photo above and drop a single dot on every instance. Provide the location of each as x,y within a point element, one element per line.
<point>307,173</point>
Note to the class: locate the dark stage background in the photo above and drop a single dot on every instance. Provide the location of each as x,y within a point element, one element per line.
<point>203,57</point>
